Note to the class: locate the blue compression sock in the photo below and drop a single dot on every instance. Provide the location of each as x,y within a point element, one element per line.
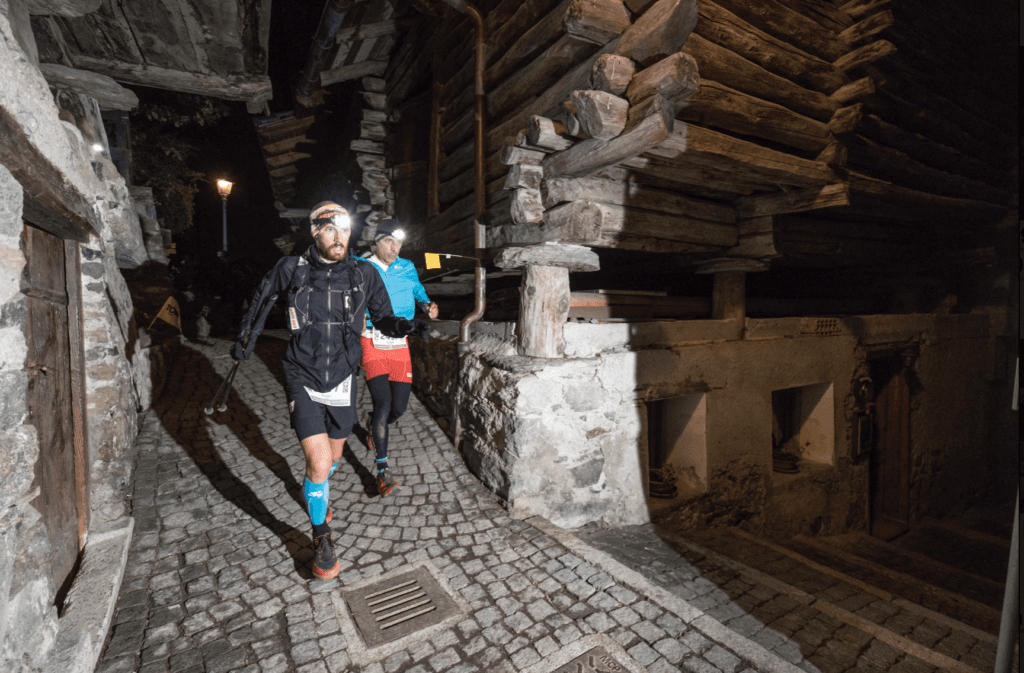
<point>382,464</point>
<point>333,467</point>
<point>316,500</point>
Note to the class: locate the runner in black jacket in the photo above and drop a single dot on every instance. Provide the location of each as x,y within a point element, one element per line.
<point>328,293</point>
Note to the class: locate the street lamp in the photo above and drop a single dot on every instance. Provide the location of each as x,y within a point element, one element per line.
<point>224,188</point>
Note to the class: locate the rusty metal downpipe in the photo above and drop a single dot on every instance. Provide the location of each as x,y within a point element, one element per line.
<point>479,230</point>
<point>330,21</point>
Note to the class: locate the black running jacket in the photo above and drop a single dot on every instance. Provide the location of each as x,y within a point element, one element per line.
<point>326,306</point>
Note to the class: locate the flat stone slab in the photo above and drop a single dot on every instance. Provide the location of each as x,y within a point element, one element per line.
<point>572,257</point>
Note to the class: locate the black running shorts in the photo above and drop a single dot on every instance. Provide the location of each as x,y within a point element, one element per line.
<point>312,418</point>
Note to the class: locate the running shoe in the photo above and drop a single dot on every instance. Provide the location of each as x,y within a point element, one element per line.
<point>386,483</point>
<point>325,564</point>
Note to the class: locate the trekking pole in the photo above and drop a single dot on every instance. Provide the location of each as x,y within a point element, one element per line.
<point>225,387</point>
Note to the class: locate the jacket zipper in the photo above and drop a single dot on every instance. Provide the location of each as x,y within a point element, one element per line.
<point>327,365</point>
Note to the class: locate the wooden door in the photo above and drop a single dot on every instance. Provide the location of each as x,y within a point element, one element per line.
<point>890,461</point>
<point>51,396</point>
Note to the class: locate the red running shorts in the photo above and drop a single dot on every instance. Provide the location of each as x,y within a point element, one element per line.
<point>396,363</point>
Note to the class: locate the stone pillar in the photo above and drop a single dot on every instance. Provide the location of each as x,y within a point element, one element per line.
<point>544,297</point>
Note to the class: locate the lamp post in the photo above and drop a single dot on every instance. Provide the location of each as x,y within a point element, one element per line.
<point>224,188</point>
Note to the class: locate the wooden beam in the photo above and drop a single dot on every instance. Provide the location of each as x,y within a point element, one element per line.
<point>624,193</point>
<point>717,105</point>
<point>51,202</point>
<point>612,73</point>
<point>872,25</point>
<point>350,72</point>
<point>105,90</point>
<point>869,53</point>
<point>367,31</point>
<point>721,65</point>
<point>747,161</point>
<point>695,176</point>
<point>674,77</point>
<point>869,194</point>
<point>285,159</point>
<point>602,116</point>
<point>652,124</point>
<point>597,21</point>
<point>659,32</point>
<point>720,26</point>
<point>775,18</point>
<point>231,87</point>
<point>793,201</point>
<point>286,145</point>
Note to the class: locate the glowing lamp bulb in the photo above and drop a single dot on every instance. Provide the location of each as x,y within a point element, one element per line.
<point>398,235</point>
<point>342,221</point>
<point>224,188</point>
<point>96,147</point>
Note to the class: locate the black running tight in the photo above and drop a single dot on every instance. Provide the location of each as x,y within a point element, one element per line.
<point>390,398</point>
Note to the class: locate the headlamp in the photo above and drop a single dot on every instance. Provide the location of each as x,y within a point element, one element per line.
<point>342,221</point>
<point>398,235</point>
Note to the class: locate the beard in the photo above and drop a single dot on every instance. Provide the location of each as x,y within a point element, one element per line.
<point>335,253</point>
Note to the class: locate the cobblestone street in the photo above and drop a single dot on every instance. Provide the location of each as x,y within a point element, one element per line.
<point>218,575</point>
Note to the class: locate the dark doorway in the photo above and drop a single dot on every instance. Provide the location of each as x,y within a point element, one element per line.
<point>890,456</point>
<point>50,327</point>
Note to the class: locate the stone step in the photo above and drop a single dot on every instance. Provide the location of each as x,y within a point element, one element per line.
<point>921,566</point>
<point>831,633</point>
<point>890,620</point>
<point>974,552</point>
<point>899,583</point>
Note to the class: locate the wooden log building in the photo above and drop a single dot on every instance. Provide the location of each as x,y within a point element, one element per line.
<point>768,173</point>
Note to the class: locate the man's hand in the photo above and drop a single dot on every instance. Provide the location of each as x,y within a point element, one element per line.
<point>414,326</point>
<point>430,308</point>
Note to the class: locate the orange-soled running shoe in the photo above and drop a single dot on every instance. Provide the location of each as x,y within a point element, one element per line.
<point>325,564</point>
<point>386,483</point>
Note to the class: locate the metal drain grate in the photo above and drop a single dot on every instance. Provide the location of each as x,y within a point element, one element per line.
<point>595,660</point>
<point>394,608</point>
<point>822,326</point>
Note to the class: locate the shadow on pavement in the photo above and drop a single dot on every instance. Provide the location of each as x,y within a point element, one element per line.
<point>182,401</point>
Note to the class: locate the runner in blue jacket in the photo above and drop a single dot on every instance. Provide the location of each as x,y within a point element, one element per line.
<point>386,360</point>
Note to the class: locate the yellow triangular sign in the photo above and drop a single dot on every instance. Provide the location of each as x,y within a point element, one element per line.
<point>169,313</point>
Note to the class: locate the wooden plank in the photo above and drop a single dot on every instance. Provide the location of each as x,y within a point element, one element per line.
<point>597,21</point>
<point>255,88</point>
<point>659,32</point>
<point>776,19</point>
<point>674,77</point>
<point>893,165</point>
<point>872,25</point>
<point>612,73</point>
<point>602,116</point>
<point>695,175</point>
<point>748,161</point>
<point>284,128</point>
<point>861,56</point>
<point>717,105</point>
<point>756,239</point>
<point>616,220</point>
<point>50,201</point>
<point>105,90</point>
<point>159,28</point>
<point>793,201</point>
<point>721,65</point>
<point>79,425</point>
<point>625,193</point>
<point>854,90</point>
<point>869,194</point>
<point>285,159</point>
<point>365,31</point>
<point>652,125</point>
<point>104,33</point>
<point>347,73</point>
<point>286,145</point>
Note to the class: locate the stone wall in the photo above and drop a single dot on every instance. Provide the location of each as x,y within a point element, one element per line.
<point>568,439</point>
<point>29,622</point>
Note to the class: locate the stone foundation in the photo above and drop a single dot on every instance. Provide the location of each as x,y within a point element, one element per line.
<point>568,439</point>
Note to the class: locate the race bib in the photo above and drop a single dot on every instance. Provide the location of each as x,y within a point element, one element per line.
<point>386,343</point>
<point>340,396</point>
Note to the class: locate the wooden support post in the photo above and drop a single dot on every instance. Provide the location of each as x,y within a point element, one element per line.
<point>728,297</point>
<point>544,297</point>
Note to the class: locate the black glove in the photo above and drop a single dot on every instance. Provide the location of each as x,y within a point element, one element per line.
<point>238,353</point>
<point>414,326</point>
